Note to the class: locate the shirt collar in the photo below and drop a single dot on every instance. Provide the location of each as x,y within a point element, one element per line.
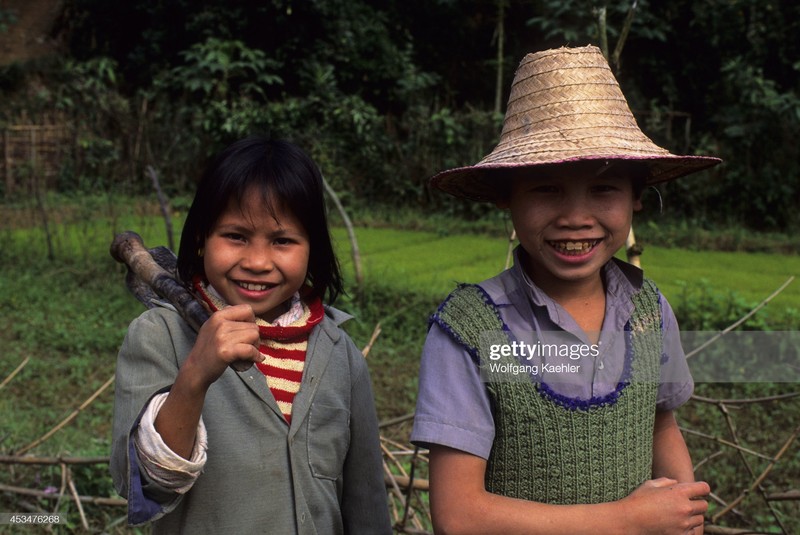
<point>621,278</point>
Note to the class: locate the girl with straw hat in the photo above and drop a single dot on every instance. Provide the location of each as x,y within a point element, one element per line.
<point>546,392</point>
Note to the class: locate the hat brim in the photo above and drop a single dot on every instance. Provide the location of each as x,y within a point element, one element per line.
<point>483,182</point>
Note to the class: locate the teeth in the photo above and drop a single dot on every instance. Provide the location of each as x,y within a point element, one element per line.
<point>574,246</point>
<point>253,287</point>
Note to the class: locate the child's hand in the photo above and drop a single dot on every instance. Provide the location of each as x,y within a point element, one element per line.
<point>664,506</point>
<point>230,335</point>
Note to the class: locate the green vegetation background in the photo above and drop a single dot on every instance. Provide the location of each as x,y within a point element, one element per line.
<point>383,95</point>
<point>69,314</point>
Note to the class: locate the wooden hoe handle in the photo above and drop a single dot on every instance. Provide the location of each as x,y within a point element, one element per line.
<point>128,248</point>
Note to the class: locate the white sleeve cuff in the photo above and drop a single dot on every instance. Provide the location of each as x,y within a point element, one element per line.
<point>160,463</point>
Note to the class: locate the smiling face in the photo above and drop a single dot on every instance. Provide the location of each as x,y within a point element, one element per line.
<point>257,256</point>
<point>570,226</point>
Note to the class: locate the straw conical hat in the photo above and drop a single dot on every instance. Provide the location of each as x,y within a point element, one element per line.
<point>566,106</point>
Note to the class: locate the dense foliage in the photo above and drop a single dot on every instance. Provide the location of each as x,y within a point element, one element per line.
<point>386,93</point>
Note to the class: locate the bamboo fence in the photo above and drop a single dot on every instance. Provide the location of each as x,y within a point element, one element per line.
<point>32,157</point>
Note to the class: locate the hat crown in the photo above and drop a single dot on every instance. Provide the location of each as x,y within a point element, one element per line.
<point>566,103</point>
<point>566,106</point>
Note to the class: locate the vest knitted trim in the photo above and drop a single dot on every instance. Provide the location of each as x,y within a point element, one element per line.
<point>556,449</point>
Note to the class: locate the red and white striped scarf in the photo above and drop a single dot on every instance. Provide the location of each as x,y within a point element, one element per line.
<point>283,343</point>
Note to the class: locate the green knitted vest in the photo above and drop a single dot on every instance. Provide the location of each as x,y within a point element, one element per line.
<point>553,449</point>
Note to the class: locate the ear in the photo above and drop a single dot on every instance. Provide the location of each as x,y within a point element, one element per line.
<point>503,204</point>
<point>637,204</point>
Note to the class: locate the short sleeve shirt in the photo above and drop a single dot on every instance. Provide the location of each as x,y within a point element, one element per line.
<point>453,406</point>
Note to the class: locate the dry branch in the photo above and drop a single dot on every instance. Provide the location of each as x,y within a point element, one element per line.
<point>26,459</point>
<point>408,482</point>
<point>375,333</point>
<point>94,500</point>
<point>762,492</point>
<point>14,373</point>
<point>68,419</point>
<point>719,530</point>
<point>163,204</point>
<point>743,401</point>
<point>784,496</point>
<point>395,421</point>
<point>724,442</point>
<point>74,493</point>
<point>510,254</point>
<point>351,234</point>
<point>741,320</point>
<point>759,479</point>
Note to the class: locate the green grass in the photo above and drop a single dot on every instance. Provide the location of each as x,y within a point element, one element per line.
<point>431,263</point>
<point>754,276</point>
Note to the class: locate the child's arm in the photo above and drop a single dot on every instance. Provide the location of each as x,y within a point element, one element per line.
<point>460,504</point>
<point>230,334</point>
<point>670,454</point>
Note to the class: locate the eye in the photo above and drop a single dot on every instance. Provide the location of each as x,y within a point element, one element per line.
<point>604,188</point>
<point>234,236</point>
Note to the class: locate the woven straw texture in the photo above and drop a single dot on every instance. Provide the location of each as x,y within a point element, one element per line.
<point>565,106</point>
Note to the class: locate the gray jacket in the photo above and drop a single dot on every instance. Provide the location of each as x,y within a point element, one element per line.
<point>320,475</point>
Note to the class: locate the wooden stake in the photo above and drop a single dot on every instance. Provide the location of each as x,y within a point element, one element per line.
<point>351,234</point>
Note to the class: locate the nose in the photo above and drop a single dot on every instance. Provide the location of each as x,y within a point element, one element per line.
<point>574,212</point>
<point>257,258</point>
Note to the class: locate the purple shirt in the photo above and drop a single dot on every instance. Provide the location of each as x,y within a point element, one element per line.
<point>453,407</point>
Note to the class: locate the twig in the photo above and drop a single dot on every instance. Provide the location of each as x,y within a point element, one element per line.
<point>66,420</point>
<point>16,459</point>
<point>375,333</point>
<point>74,492</point>
<point>741,320</point>
<point>623,35</point>
<point>704,461</point>
<point>725,442</point>
<point>784,496</point>
<point>509,255</point>
<point>410,485</point>
<point>62,489</point>
<point>415,483</point>
<point>719,530</point>
<point>601,30</point>
<point>743,401</point>
<point>163,204</point>
<point>501,39</point>
<point>732,428</point>
<point>722,502</point>
<point>14,373</point>
<point>51,496</point>
<point>395,421</point>
<point>760,478</point>
<point>351,234</point>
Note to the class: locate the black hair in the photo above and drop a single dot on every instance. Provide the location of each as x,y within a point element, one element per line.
<point>287,178</point>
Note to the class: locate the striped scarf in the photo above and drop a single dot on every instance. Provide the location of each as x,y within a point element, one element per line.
<point>283,344</point>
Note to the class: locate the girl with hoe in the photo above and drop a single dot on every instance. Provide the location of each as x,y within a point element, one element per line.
<point>546,392</point>
<point>290,445</point>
